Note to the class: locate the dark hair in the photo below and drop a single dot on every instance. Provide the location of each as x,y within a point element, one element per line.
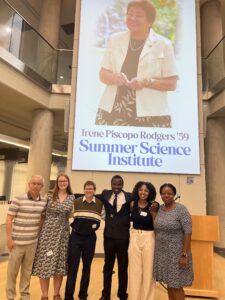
<point>56,188</point>
<point>117,177</point>
<point>89,182</point>
<point>147,7</point>
<point>169,185</point>
<point>150,187</point>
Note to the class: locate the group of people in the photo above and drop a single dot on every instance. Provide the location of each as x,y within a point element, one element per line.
<point>156,248</point>
<point>138,69</point>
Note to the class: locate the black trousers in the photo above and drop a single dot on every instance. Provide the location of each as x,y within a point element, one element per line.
<point>115,248</point>
<point>79,247</point>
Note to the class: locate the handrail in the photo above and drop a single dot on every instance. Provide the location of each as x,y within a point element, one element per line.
<point>62,49</point>
<point>46,66</point>
<point>214,48</point>
<point>38,33</point>
<point>213,71</point>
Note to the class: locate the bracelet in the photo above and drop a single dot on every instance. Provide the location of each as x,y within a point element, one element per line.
<point>148,82</point>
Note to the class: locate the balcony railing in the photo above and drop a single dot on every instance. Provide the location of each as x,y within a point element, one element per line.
<point>36,58</point>
<point>213,70</point>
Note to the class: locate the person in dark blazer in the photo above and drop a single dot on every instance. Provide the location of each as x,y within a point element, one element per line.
<point>116,236</point>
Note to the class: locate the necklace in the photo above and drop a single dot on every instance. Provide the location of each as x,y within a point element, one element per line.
<point>136,45</point>
<point>142,207</point>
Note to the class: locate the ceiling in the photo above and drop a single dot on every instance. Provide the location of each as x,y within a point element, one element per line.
<point>16,119</point>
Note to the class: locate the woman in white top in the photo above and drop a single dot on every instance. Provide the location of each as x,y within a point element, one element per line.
<point>138,68</point>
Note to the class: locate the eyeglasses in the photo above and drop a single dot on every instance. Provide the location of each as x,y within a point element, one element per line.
<point>89,189</point>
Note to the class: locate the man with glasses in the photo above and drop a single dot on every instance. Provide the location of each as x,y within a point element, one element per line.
<point>22,228</point>
<point>87,218</point>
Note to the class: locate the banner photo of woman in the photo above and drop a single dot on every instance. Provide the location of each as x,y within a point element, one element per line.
<point>136,98</point>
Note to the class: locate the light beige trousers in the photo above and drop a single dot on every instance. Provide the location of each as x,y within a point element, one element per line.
<point>141,255</point>
<point>21,257</point>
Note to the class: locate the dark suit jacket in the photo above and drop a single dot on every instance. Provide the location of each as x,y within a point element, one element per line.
<point>116,224</point>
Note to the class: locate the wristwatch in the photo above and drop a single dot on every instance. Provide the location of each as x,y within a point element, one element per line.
<point>184,254</point>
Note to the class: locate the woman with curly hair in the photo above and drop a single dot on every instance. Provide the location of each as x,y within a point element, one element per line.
<point>52,250</point>
<point>142,242</point>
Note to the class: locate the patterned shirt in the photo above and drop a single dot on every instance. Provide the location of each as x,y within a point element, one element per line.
<point>27,214</point>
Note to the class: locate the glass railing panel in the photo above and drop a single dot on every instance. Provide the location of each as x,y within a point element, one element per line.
<point>215,66</point>
<point>36,53</point>
<point>204,75</point>
<point>6,21</point>
<point>25,43</point>
<point>64,66</point>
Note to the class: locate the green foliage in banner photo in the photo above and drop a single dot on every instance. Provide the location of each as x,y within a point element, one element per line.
<point>113,20</point>
<point>165,23</point>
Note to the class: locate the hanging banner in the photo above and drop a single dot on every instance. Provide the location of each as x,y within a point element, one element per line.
<point>136,98</point>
